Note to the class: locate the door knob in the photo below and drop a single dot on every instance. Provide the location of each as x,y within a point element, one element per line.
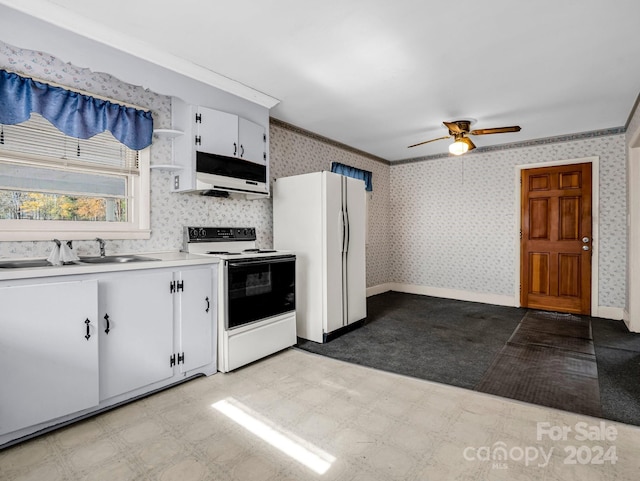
<point>585,239</point>
<point>585,248</point>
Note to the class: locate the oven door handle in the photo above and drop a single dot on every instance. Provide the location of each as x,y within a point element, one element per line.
<point>262,260</point>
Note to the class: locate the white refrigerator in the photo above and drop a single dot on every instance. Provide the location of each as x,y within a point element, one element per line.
<point>321,217</point>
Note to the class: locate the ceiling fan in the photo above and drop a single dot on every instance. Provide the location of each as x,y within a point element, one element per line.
<point>459,129</point>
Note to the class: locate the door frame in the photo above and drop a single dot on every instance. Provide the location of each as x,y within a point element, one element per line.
<point>631,313</point>
<point>595,219</point>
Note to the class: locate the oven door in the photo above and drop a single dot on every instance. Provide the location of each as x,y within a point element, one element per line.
<point>259,288</point>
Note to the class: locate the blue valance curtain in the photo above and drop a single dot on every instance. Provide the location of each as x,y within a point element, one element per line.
<point>72,113</point>
<point>349,171</point>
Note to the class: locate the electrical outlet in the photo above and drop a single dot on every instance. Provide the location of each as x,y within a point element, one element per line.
<point>176,182</point>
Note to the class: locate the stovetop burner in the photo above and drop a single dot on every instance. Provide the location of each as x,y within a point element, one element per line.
<point>225,242</point>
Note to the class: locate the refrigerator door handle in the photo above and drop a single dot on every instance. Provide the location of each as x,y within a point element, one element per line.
<point>348,236</point>
<point>342,231</point>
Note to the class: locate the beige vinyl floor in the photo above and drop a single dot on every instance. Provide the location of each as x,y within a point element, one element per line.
<point>299,416</point>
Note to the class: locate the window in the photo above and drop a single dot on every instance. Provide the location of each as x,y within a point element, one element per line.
<point>53,185</point>
<point>363,175</point>
<point>58,185</point>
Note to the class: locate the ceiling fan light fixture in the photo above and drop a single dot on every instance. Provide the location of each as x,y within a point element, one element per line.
<point>459,147</point>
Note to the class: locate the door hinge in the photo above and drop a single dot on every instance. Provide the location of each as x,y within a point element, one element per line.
<point>175,286</point>
<point>520,234</point>
<point>264,138</point>
<point>173,361</point>
<point>198,140</point>
<point>198,118</point>
<point>264,156</point>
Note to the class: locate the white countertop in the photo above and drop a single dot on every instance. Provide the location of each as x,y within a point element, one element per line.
<point>165,259</point>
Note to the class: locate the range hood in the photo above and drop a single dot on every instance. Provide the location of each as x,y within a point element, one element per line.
<point>221,176</point>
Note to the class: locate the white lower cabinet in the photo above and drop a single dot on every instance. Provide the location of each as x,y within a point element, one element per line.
<point>197,317</point>
<point>136,330</point>
<point>154,325</point>
<point>72,345</point>
<point>48,352</point>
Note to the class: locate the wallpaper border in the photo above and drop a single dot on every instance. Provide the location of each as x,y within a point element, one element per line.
<point>298,130</point>
<point>514,145</point>
<point>526,143</point>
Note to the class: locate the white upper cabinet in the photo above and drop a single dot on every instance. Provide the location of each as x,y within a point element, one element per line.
<point>219,151</point>
<point>252,141</point>
<point>227,134</point>
<point>216,132</point>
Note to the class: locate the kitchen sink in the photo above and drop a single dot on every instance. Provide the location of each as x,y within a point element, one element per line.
<point>25,263</point>
<point>114,259</point>
<point>18,264</point>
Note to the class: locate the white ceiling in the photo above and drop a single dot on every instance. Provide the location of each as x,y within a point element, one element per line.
<point>379,75</point>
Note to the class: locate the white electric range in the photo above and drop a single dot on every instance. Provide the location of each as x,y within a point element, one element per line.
<point>256,293</point>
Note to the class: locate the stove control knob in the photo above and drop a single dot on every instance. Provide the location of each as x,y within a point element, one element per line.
<point>203,232</point>
<point>193,233</point>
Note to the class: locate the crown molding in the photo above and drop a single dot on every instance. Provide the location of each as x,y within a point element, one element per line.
<point>68,20</point>
<point>633,112</point>
<point>292,128</point>
<point>519,145</point>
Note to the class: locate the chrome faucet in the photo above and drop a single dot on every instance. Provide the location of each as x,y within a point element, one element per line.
<point>101,244</point>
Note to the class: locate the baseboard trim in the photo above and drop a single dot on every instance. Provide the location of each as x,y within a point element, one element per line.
<point>379,289</point>
<point>482,297</point>
<point>615,313</point>
<point>605,312</point>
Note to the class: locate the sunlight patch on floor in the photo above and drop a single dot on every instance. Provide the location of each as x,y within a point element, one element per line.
<point>299,449</point>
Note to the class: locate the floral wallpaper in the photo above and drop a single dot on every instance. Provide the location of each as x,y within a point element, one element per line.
<point>444,222</point>
<point>453,219</point>
<point>290,153</point>
<point>293,153</point>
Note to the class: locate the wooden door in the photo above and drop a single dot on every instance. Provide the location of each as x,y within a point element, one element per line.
<point>555,246</point>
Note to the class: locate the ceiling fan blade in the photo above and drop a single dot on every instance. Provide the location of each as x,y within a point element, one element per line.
<point>428,141</point>
<point>468,141</point>
<point>453,127</point>
<point>497,130</point>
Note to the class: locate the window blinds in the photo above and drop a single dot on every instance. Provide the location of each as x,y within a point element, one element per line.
<point>38,140</point>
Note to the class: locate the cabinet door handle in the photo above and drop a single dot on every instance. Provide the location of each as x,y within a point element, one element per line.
<point>235,148</point>
<point>241,150</point>
<point>87,322</point>
<point>106,318</point>
<point>208,304</point>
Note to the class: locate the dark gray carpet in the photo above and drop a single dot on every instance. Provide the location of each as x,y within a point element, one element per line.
<point>455,342</point>
<point>618,357</point>
<point>442,340</point>
<point>549,360</point>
